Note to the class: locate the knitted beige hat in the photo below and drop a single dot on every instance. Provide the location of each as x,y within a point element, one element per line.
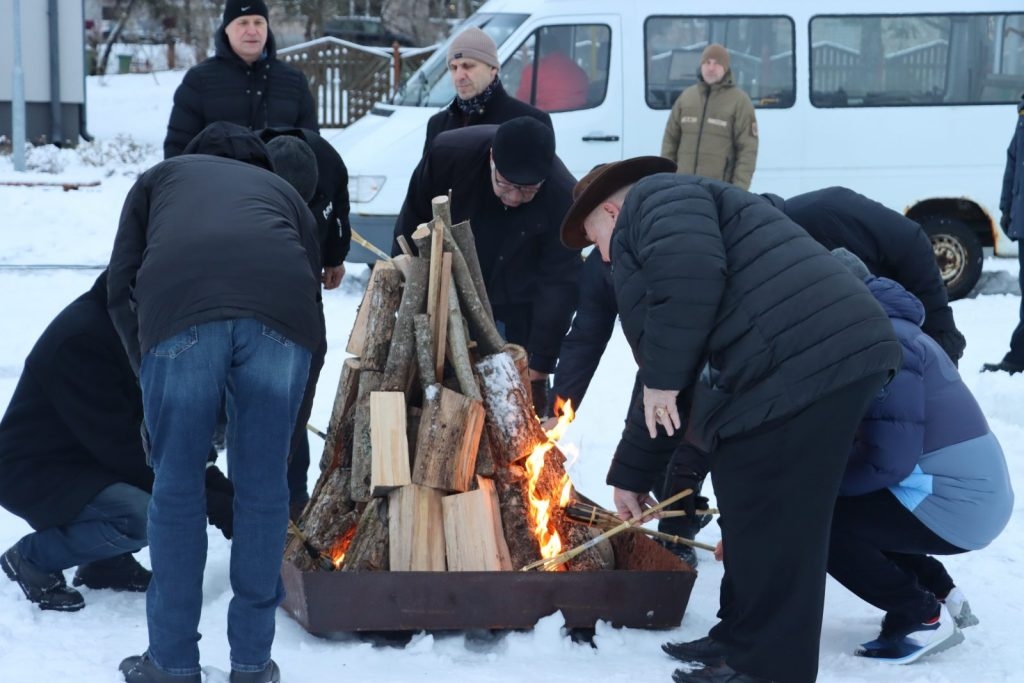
<point>716,52</point>
<point>474,44</point>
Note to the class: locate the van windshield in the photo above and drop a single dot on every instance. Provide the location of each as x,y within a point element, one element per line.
<point>430,86</point>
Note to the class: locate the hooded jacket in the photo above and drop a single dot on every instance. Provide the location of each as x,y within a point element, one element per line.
<point>214,235</point>
<point>1011,202</point>
<point>727,301</point>
<point>263,94</point>
<point>926,439</point>
<point>712,132</point>
<point>890,245</point>
<point>330,203</point>
<point>71,428</point>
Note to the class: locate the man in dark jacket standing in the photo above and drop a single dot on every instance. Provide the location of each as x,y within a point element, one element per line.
<point>1011,204</point>
<point>772,350</point>
<point>479,95</point>
<point>72,462</point>
<point>243,82</point>
<point>507,181</point>
<point>214,289</point>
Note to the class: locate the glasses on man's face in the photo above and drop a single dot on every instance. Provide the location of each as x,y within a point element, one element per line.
<point>505,186</point>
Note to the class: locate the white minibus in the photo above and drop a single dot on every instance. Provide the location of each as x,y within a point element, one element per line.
<point>912,104</point>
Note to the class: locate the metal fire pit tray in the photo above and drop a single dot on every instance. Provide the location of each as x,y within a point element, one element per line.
<point>650,590</point>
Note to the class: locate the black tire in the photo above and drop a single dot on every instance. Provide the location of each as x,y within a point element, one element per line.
<point>958,253</point>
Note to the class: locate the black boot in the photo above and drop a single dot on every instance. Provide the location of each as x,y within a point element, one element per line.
<point>119,573</point>
<point>706,651</point>
<point>141,669</point>
<point>718,674</point>
<point>46,589</point>
<point>269,675</point>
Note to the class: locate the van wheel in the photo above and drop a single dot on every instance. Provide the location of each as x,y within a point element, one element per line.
<point>958,253</point>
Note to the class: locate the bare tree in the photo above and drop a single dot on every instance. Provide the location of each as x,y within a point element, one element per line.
<point>124,12</point>
<point>408,17</point>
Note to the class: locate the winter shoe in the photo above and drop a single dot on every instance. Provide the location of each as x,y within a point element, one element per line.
<point>706,651</point>
<point>960,609</point>
<point>910,644</point>
<point>269,675</point>
<point>1004,365</point>
<point>141,669</point>
<point>684,552</point>
<point>119,573</point>
<point>715,674</point>
<point>48,590</point>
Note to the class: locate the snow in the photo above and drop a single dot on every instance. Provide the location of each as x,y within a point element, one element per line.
<point>46,225</point>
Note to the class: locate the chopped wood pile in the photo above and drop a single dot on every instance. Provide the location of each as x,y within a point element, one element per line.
<point>433,458</point>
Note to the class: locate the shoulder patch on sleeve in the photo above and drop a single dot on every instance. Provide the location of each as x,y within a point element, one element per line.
<point>753,128</point>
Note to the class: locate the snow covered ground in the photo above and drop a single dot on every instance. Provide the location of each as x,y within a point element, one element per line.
<point>45,225</point>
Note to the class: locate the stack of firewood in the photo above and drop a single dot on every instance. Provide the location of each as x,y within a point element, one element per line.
<point>425,458</point>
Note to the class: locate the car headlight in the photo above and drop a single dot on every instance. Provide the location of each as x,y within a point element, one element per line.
<point>363,188</point>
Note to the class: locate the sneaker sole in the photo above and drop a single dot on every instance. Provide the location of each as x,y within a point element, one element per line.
<point>954,639</point>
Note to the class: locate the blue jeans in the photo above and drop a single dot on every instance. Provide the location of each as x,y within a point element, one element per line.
<point>184,380</point>
<point>111,524</point>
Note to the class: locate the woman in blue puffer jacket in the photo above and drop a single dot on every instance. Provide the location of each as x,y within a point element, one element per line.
<point>926,476</point>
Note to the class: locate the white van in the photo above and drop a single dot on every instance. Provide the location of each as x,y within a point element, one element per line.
<point>914,109</point>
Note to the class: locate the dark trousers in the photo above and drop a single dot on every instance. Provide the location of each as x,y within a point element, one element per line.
<point>1016,353</point>
<point>298,457</point>
<point>776,488</point>
<point>880,552</point>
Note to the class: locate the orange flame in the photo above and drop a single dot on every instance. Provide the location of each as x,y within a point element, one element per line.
<point>340,547</point>
<point>540,506</point>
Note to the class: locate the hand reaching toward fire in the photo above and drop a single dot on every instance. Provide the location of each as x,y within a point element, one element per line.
<point>630,504</point>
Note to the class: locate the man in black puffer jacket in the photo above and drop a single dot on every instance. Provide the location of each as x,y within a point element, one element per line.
<point>743,323</point>
<point>243,82</point>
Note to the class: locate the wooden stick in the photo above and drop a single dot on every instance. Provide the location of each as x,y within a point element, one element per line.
<point>549,563</point>
<point>682,513</point>
<point>441,322</point>
<point>369,246</point>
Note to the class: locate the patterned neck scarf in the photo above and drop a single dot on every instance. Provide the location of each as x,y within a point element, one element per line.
<point>476,105</point>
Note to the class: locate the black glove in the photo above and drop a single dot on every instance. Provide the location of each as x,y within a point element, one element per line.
<point>220,498</point>
<point>539,394</point>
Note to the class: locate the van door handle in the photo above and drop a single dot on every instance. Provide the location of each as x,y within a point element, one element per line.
<point>600,138</point>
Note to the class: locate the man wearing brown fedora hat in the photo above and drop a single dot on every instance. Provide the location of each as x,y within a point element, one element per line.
<point>507,181</point>
<point>751,335</point>
<point>712,129</point>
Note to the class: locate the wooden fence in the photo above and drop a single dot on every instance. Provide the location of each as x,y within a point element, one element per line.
<point>347,79</point>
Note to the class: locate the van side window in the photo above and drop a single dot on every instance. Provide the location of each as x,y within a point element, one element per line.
<point>760,54</point>
<point>912,60</point>
<point>561,68</point>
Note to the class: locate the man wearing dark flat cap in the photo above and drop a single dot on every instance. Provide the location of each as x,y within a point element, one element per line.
<point>755,347</point>
<point>507,181</point>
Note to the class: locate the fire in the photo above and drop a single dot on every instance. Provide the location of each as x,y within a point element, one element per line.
<point>541,505</point>
<point>340,547</point>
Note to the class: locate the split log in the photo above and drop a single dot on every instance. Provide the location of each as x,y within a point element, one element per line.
<point>473,535</point>
<point>362,445</point>
<point>484,455</point>
<point>509,405</point>
<point>442,312</point>
<point>398,368</point>
<point>416,529</point>
<point>521,359</point>
<point>357,337</point>
<point>462,233</point>
<point>389,468</point>
<point>458,349</point>
<point>327,518</point>
<point>368,550</point>
<point>338,444</point>
<point>380,324</point>
<point>448,440</point>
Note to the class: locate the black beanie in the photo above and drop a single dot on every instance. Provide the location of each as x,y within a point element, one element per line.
<point>523,150</point>
<point>294,161</point>
<point>241,8</point>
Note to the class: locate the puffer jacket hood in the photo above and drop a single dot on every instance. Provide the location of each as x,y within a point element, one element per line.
<point>231,141</point>
<point>895,300</point>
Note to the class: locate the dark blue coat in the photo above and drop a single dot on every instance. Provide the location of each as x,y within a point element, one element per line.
<point>925,438</point>
<point>1011,203</point>
<point>266,93</point>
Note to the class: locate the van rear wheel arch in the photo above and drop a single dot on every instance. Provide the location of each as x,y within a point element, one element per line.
<point>958,253</point>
